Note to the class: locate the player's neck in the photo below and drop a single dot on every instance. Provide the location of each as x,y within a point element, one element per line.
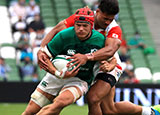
<point>97,27</point>
<point>87,36</point>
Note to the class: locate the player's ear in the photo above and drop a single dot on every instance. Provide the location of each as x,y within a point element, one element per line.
<point>86,7</point>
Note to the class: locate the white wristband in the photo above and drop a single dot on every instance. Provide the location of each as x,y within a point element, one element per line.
<point>90,56</point>
<point>110,59</point>
<point>58,74</point>
<point>42,49</point>
<point>61,74</point>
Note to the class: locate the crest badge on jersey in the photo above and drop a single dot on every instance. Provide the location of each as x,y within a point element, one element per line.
<point>93,50</point>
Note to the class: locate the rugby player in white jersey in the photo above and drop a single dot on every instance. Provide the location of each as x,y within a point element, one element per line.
<point>101,101</point>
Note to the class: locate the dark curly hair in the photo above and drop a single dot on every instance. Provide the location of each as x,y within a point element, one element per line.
<point>110,7</point>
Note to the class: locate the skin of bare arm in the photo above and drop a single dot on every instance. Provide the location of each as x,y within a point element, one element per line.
<point>107,66</point>
<point>41,55</point>
<point>111,46</point>
<point>51,69</point>
<point>60,26</point>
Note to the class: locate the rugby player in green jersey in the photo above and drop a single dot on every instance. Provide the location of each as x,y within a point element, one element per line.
<point>102,19</point>
<point>79,39</point>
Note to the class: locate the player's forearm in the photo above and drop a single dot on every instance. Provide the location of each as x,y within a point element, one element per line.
<point>60,26</point>
<point>111,46</point>
<point>48,38</point>
<point>51,69</point>
<point>103,54</point>
<point>113,63</point>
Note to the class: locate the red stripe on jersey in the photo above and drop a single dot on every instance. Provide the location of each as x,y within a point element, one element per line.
<point>119,67</point>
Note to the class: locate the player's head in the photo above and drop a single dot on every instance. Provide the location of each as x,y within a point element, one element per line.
<point>106,12</point>
<point>109,7</point>
<point>84,15</point>
<point>84,18</point>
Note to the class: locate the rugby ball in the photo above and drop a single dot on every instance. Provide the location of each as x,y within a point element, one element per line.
<point>60,62</point>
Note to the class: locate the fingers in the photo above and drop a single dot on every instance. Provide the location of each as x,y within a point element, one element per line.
<point>71,57</point>
<point>73,63</point>
<point>42,67</point>
<point>76,62</point>
<point>104,68</point>
<point>42,61</point>
<point>76,72</point>
<point>104,62</point>
<point>72,73</point>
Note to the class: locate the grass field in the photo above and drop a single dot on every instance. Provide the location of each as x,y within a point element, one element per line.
<point>18,108</point>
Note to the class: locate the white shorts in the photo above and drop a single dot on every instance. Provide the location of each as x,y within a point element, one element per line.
<point>53,85</point>
<point>116,72</point>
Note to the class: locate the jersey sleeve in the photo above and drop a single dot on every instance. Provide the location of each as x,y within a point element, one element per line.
<point>70,21</point>
<point>55,46</point>
<point>115,32</point>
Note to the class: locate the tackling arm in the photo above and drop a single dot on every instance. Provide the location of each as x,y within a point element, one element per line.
<point>108,66</point>
<point>111,46</point>
<point>60,26</point>
<point>40,55</point>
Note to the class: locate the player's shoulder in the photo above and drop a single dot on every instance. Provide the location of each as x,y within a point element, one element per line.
<point>114,27</point>
<point>114,31</point>
<point>67,31</point>
<point>69,21</point>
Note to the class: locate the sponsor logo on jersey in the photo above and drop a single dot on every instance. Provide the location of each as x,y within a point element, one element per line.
<point>84,69</point>
<point>44,83</point>
<point>71,52</point>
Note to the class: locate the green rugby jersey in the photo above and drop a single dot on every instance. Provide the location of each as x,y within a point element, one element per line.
<point>67,43</point>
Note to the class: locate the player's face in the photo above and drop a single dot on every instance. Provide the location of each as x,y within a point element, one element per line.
<point>102,20</point>
<point>83,30</point>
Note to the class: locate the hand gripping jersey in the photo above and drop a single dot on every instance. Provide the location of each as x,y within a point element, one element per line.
<point>66,43</point>
<point>112,31</point>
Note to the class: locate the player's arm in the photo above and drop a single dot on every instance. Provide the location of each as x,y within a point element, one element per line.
<point>111,46</point>
<point>51,69</point>
<point>109,65</point>
<point>60,26</point>
<point>41,55</point>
